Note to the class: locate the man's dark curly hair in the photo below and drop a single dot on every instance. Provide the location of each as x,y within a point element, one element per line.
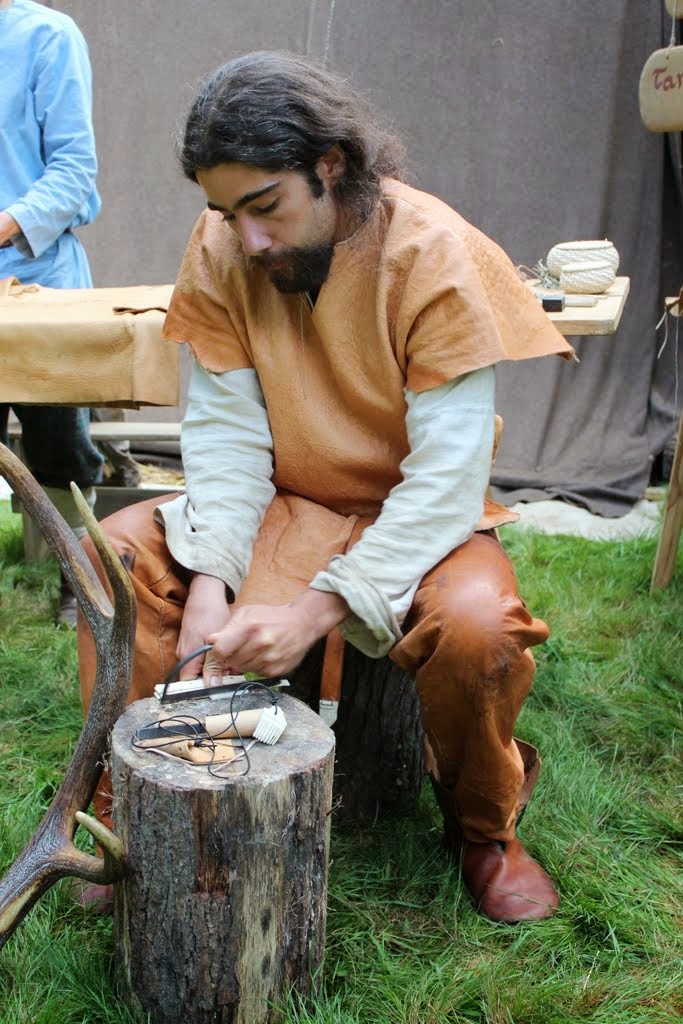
<point>281,112</point>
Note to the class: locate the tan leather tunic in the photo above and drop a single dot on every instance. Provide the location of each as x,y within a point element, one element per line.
<point>415,297</point>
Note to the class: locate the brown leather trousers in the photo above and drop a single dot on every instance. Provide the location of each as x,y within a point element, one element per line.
<point>466,640</point>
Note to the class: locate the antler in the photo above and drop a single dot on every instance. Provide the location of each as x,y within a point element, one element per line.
<point>51,854</point>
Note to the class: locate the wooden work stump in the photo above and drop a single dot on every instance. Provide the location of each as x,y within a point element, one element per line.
<point>223,906</point>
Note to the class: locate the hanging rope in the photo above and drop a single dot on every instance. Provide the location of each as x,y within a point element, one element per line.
<point>328,33</point>
<point>669,307</point>
<point>672,40</point>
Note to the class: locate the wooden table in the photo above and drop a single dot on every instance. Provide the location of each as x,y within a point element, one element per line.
<point>602,318</point>
<point>87,347</point>
<point>92,347</point>
<point>71,347</point>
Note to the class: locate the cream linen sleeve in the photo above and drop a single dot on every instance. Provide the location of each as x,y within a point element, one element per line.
<point>227,455</point>
<point>434,509</point>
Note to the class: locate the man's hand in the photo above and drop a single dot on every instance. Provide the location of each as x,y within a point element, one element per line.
<point>206,611</point>
<point>8,227</point>
<point>271,640</point>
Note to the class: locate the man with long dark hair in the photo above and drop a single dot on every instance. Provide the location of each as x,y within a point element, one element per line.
<point>338,440</point>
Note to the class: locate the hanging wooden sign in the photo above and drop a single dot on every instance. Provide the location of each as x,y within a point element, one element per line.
<point>661,90</point>
<point>675,8</point>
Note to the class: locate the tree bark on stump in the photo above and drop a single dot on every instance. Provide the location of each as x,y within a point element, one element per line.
<point>379,763</point>
<point>223,906</point>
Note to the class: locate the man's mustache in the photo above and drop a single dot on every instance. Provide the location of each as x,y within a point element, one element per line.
<point>286,258</point>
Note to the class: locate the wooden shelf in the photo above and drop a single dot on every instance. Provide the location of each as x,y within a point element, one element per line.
<point>602,318</point>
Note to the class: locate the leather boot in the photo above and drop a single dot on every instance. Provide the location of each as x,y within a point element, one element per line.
<point>505,883</point>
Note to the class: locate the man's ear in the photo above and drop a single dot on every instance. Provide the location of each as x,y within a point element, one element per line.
<point>330,167</point>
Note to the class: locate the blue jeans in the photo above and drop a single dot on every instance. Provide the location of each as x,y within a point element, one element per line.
<point>56,443</point>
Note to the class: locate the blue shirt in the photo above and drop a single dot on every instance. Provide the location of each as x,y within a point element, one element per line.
<point>48,163</point>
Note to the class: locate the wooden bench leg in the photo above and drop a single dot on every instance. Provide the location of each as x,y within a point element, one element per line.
<point>667,548</point>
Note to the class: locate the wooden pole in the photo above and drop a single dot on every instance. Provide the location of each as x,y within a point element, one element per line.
<point>667,548</point>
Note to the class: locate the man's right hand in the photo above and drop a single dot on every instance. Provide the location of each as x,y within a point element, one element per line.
<point>206,611</point>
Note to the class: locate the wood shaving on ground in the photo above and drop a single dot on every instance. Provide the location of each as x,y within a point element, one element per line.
<point>161,475</point>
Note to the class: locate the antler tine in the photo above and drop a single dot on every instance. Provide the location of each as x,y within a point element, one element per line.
<point>117,576</point>
<point>51,854</point>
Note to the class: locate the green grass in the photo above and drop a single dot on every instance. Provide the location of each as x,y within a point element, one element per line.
<point>404,945</point>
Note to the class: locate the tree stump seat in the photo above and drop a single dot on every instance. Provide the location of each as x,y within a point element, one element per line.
<point>222,908</point>
<point>379,763</point>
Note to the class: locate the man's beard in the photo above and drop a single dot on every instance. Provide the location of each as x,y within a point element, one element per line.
<point>298,269</point>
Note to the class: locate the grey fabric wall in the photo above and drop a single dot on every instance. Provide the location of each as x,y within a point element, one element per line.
<point>523,116</point>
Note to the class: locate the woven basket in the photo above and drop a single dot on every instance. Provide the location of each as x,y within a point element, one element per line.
<point>581,252</point>
<point>586,278</point>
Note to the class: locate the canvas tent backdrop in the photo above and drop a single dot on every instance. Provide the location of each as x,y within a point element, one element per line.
<point>522,116</point>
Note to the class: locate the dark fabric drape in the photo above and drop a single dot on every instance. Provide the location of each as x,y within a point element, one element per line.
<point>588,432</point>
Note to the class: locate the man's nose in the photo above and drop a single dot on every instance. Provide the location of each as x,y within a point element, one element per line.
<point>253,237</point>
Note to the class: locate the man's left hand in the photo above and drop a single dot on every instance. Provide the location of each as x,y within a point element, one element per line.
<point>271,640</point>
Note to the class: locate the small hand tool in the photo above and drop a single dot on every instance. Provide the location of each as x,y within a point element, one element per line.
<point>264,724</point>
<point>189,689</point>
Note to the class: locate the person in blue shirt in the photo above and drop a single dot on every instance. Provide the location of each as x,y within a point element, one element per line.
<point>48,168</point>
